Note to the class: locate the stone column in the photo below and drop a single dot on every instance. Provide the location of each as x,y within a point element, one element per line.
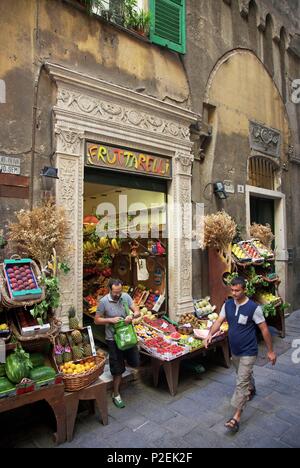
<point>180,236</point>
<point>69,194</point>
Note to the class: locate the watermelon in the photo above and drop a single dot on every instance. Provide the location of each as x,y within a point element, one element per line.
<point>18,365</point>
<point>5,385</point>
<point>37,359</point>
<point>2,370</point>
<point>42,373</point>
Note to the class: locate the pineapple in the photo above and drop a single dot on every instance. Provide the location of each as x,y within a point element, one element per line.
<point>87,350</point>
<point>59,350</point>
<point>67,356</point>
<point>77,353</point>
<point>59,359</point>
<point>73,320</point>
<point>86,339</point>
<point>76,337</point>
<point>63,339</point>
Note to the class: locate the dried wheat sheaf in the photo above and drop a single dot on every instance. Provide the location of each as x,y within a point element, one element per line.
<point>219,231</point>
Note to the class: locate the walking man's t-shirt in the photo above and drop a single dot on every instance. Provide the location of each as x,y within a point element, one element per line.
<point>108,308</point>
<point>242,320</point>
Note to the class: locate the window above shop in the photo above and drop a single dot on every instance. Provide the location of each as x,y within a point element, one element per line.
<point>162,21</point>
<point>262,173</point>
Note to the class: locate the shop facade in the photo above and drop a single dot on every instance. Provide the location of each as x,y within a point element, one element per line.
<point>90,110</point>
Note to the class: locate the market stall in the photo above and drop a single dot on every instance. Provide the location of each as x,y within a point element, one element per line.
<point>252,259</point>
<point>168,344</point>
<point>39,359</point>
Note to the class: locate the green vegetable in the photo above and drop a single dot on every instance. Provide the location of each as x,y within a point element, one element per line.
<point>2,370</point>
<point>42,373</point>
<point>5,385</point>
<point>37,359</point>
<point>18,365</point>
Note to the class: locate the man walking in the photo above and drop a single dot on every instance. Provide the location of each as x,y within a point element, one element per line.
<point>242,315</point>
<point>112,309</point>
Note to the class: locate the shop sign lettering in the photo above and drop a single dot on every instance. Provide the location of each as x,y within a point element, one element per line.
<point>121,159</point>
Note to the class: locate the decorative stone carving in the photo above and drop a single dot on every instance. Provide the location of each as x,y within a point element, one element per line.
<point>265,140</point>
<point>70,184</point>
<point>93,109</point>
<point>184,163</point>
<point>69,141</point>
<point>244,8</point>
<point>103,110</point>
<point>292,155</point>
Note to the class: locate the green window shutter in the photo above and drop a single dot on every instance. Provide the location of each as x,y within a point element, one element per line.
<point>168,24</point>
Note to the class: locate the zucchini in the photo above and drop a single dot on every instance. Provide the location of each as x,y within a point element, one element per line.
<point>5,385</point>
<point>37,359</point>
<point>42,373</point>
<point>2,370</point>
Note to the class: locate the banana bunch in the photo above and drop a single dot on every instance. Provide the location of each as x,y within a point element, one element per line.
<point>104,242</point>
<point>93,310</point>
<point>115,244</point>
<point>4,326</point>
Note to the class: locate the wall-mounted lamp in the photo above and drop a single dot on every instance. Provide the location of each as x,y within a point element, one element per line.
<point>48,175</point>
<point>219,190</point>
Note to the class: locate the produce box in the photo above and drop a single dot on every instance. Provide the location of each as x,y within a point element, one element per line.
<point>164,349</point>
<point>203,307</point>
<point>21,281</point>
<point>74,345</point>
<point>252,252</point>
<point>263,250</point>
<point>28,326</point>
<point>240,254</point>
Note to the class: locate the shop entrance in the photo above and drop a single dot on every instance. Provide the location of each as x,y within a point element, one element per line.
<point>125,237</point>
<point>262,211</point>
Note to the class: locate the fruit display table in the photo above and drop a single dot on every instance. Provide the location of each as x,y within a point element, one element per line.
<point>53,395</point>
<point>171,368</point>
<point>96,393</point>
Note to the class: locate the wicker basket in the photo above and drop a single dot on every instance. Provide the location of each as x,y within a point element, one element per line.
<point>74,383</point>
<point>10,303</point>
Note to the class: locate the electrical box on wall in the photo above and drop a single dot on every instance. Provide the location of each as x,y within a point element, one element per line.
<point>241,189</point>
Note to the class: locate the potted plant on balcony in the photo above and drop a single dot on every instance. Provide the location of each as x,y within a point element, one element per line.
<point>92,5</point>
<point>135,19</point>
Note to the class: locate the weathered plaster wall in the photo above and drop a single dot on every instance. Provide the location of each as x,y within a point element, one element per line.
<point>257,88</point>
<point>36,31</point>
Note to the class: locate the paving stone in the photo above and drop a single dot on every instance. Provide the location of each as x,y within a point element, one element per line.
<point>180,425</point>
<point>289,416</point>
<point>168,440</point>
<point>263,404</point>
<point>250,435</point>
<point>272,425</point>
<point>208,439</point>
<point>127,439</point>
<point>155,412</point>
<point>292,437</point>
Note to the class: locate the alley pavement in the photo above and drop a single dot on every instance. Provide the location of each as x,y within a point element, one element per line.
<point>195,416</point>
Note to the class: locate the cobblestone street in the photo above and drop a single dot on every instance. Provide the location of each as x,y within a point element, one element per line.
<point>195,417</point>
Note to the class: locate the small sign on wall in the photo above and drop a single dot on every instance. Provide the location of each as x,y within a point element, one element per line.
<point>229,186</point>
<point>10,165</point>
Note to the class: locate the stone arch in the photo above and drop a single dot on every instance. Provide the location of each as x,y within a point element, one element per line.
<point>240,89</point>
<point>268,44</point>
<point>252,21</point>
<point>282,50</point>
